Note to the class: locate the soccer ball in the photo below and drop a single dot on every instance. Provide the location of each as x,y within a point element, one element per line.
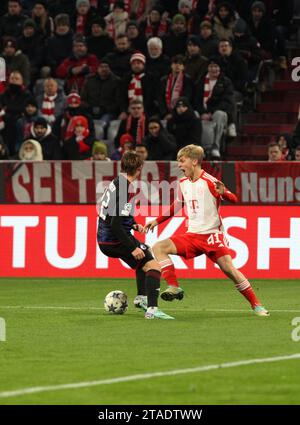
<point>116,302</point>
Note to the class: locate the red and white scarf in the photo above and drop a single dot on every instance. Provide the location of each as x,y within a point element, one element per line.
<point>2,123</point>
<point>174,89</point>
<point>140,133</point>
<point>82,146</point>
<point>208,88</point>
<point>153,31</point>
<point>48,108</point>
<point>80,24</point>
<point>135,90</point>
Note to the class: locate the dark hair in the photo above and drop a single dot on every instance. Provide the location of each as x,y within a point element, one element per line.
<point>297,148</point>
<point>130,163</point>
<point>141,145</point>
<point>225,40</point>
<point>178,59</point>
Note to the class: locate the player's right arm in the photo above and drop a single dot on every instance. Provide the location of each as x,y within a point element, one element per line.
<point>174,209</point>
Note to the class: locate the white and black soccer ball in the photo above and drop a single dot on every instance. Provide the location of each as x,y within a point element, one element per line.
<point>116,302</point>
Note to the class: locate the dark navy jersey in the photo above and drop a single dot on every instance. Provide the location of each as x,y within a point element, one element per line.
<point>116,214</point>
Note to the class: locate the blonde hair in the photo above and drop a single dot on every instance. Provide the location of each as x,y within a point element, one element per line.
<point>192,152</point>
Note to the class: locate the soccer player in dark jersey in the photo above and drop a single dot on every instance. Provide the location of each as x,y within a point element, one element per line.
<point>114,236</point>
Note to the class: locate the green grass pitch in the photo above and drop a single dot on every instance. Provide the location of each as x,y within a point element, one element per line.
<point>58,333</point>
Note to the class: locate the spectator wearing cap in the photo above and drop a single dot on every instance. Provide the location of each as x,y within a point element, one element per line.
<point>156,23</point>
<point>208,40</point>
<point>99,42</point>
<point>214,102</point>
<point>30,150</point>
<point>173,86</point>
<point>44,22</point>
<point>73,108</point>
<point>23,125</point>
<point>16,60</point>
<point>119,58</point>
<point>41,131</point>
<point>158,64</point>
<point>99,152</point>
<point>78,141</point>
<point>13,100</point>
<point>11,24</point>
<point>31,43</point>
<point>184,125</point>
<point>76,67</point>
<point>195,63</point>
<point>126,145</point>
<point>138,84</point>
<point>100,94</point>
<point>136,38</point>
<point>161,144</point>
<point>224,20</point>
<point>262,28</point>
<point>134,124</point>
<point>51,102</point>
<point>175,42</point>
<point>247,46</point>
<point>58,46</point>
<point>117,20</point>
<point>82,17</point>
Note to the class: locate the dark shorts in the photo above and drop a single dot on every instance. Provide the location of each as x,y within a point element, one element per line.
<point>121,251</point>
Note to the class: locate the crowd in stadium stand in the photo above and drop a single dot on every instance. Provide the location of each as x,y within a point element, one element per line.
<point>90,79</point>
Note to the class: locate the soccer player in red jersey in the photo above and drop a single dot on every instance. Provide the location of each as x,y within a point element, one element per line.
<point>201,194</point>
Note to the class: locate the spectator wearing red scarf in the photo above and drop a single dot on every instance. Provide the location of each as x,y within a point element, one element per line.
<point>78,142</point>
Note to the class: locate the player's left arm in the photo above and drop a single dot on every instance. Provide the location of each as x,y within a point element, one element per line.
<point>225,194</point>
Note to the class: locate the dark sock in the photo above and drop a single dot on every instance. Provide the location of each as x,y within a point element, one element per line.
<point>152,287</point>
<point>140,281</point>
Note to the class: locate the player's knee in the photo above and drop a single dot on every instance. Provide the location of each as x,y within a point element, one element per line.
<point>151,265</point>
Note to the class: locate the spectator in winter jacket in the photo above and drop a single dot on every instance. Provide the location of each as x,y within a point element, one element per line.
<point>135,124</point>
<point>175,42</point>
<point>195,63</point>
<point>82,17</point>
<point>42,132</point>
<point>23,125</point>
<point>78,141</point>
<point>208,40</point>
<point>31,43</point>
<point>13,100</point>
<point>51,103</point>
<point>76,67</point>
<point>43,21</point>
<point>16,60</point>
<point>158,64</point>
<point>11,24</point>
<point>100,94</point>
<point>172,86</point>
<point>214,102</point>
<point>31,150</point>
<point>184,125</point>
<point>119,58</point>
<point>117,20</point>
<point>136,38</point>
<point>138,84</point>
<point>72,109</point>
<point>224,20</point>
<point>99,152</point>
<point>161,145</point>
<point>99,42</point>
<point>58,46</point>
<point>156,24</point>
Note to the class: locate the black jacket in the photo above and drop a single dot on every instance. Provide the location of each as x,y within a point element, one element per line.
<point>100,46</point>
<point>120,62</point>
<point>221,98</point>
<point>161,148</point>
<point>58,48</point>
<point>236,69</point>
<point>174,44</point>
<point>101,96</point>
<point>186,128</point>
<point>11,25</point>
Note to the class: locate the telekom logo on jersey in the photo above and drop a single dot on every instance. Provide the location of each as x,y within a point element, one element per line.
<point>61,241</point>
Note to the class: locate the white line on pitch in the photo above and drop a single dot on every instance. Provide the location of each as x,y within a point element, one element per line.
<point>141,377</point>
<point>50,307</point>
